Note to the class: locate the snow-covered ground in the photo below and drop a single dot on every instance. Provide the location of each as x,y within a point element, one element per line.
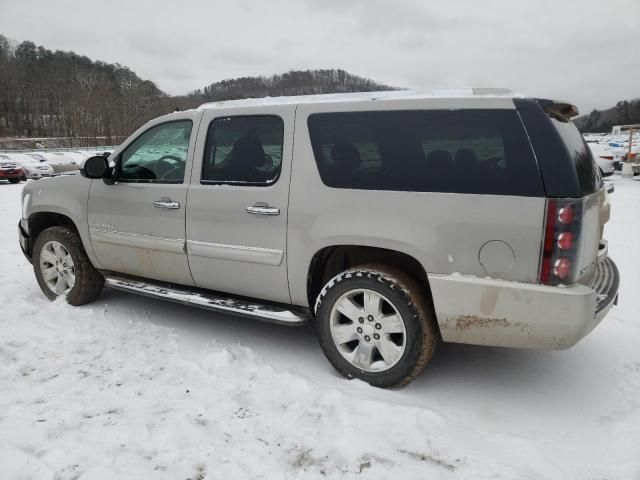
<point>134,388</point>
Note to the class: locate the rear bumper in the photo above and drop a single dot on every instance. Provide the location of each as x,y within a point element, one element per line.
<point>10,174</point>
<point>37,175</point>
<point>512,314</point>
<point>605,283</point>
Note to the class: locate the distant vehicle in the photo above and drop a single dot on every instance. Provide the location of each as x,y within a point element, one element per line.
<point>391,221</point>
<point>9,170</point>
<point>33,169</point>
<point>37,156</point>
<point>604,158</point>
<point>60,158</point>
<point>78,157</point>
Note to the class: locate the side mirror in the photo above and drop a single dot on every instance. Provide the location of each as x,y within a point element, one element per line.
<point>95,167</point>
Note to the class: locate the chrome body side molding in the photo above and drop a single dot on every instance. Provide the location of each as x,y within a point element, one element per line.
<point>210,301</point>
<point>239,253</point>
<point>137,240</point>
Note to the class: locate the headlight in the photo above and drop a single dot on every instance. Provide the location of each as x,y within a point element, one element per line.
<point>25,205</point>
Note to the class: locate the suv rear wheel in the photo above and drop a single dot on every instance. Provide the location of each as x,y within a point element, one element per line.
<point>374,324</point>
<point>62,267</point>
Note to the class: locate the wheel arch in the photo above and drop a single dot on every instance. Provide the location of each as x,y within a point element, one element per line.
<point>40,221</point>
<point>329,261</point>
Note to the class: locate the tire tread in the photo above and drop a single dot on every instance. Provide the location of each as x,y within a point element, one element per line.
<point>89,282</point>
<point>414,299</point>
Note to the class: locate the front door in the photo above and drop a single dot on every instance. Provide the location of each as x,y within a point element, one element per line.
<point>237,208</point>
<point>137,225</point>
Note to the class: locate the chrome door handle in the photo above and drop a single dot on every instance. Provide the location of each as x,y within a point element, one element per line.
<point>263,209</point>
<point>165,202</point>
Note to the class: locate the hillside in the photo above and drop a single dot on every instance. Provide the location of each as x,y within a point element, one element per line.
<point>46,93</point>
<point>305,82</point>
<point>62,94</point>
<point>625,112</point>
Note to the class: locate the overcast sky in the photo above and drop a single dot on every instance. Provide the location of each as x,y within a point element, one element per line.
<point>584,51</point>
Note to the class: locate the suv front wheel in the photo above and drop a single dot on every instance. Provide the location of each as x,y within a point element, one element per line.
<point>374,324</point>
<point>62,267</point>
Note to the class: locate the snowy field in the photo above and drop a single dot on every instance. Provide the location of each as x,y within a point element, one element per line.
<point>132,388</point>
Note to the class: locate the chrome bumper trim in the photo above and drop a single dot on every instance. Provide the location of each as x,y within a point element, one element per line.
<point>605,282</point>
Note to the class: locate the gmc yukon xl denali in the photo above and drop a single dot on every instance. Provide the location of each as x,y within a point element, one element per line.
<point>391,220</point>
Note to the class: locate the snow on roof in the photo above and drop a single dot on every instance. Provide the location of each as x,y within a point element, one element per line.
<point>363,97</point>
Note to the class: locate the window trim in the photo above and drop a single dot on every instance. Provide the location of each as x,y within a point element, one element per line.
<point>240,183</point>
<point>118,165</point>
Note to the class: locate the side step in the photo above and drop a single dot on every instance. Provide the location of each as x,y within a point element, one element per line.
<point>210,301</point>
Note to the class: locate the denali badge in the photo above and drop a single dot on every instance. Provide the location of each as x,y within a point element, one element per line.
<point>105,226</point>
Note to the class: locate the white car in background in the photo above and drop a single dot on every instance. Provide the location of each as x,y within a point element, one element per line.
<point>61,158</point>
<point>32,167</point>
<point>603,156</point>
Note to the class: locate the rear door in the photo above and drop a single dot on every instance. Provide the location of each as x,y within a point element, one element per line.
<point>137,224</point>
<point>238,201</point>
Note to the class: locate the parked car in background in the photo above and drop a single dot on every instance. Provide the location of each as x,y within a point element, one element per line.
<point>78,157</point>
<point>9,170</point>
<point>37,156</point>
<point>60,158</point>
<point>33,169</point>
<point>603,156</point>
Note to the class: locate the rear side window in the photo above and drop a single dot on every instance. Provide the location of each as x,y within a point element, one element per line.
<point>588,175</point>
<point>465,151</point>
<point>245,150</point>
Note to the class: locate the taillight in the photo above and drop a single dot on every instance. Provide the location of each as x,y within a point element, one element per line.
<point>607,157</point>
<point>560,253</point>
<point>562,268</point>
<point>565,215</point>
<point>565,241</point>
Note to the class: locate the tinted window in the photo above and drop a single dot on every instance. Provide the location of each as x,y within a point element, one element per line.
<point>467,151</point>
<point>586,169</point>
<point>159,155</point>
<point>243,150</point>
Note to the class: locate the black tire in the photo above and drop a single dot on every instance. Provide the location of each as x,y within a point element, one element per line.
<point>15,180</point>
<point>88,281</point>
<point>407,297</point>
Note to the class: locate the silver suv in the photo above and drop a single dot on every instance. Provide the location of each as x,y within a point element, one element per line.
<point>391,220</point>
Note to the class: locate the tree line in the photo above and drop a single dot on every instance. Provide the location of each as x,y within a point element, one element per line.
<point>46,93</point>
<point>62,94</point>
<point>624,113</point>
<point>307,82</point>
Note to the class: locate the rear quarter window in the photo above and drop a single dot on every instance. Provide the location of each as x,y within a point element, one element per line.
<point>462,151</point>
<point>580,154</point>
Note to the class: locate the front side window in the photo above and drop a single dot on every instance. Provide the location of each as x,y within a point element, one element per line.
<point>245,150</point>
<point>463,151</point>
<point>159,155</point>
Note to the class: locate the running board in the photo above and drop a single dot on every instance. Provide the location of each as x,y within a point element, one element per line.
<point>210,301</point>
